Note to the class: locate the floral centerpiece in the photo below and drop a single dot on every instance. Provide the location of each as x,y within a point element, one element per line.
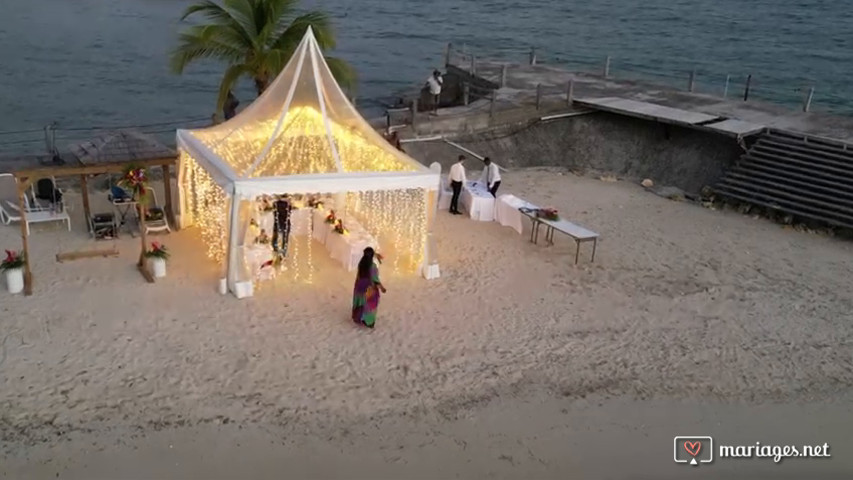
<point>548,214</point>
<point>331,219</point>
<point>339,227</point>
<point>13,261</point>
<point>266,204</point>
<point>263,238</point>
<point>135,179</point>
<point>315,203</point>
<point>157,251</point>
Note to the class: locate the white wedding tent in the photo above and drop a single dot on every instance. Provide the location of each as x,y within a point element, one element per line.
<point>302,136</point>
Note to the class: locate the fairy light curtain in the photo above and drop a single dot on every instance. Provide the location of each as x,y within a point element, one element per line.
<point>302,136</point>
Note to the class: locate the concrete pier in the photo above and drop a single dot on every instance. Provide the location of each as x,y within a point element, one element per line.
<point>521,87</point>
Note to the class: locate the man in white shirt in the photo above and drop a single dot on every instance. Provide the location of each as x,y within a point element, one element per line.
<point>457,179</point>
<point>435,82</point>
<point>491,176</point>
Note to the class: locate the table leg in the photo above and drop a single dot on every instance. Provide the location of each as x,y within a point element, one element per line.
<point>577,250</point>
<point>532,229</point>
<point>594,244</point>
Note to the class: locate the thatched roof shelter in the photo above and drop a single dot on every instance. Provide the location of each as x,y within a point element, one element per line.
<point>121,146</point>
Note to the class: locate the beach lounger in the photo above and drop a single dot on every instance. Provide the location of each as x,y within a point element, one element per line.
<point>9,199</point>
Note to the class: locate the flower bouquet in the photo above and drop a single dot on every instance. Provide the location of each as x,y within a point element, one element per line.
<point>548,214</point>
<point>339,228</point>
<point>263,238</point>
<point>13,260</point>
<point>135,179</point>
<point>331,219</point>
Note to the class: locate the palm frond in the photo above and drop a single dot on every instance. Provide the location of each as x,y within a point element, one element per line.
<point>319,22</point>
<point>343,72</point>
<point>206,41</point>
<point>229,80</point>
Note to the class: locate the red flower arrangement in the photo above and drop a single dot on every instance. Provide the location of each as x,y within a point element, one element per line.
<point>548,214</point>
<point>12,261</point>
<point>157,251</point>
<point>331,218</point>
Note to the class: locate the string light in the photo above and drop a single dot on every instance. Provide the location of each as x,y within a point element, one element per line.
<point>302,146</point>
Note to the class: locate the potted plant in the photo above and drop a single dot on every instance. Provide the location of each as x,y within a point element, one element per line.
<point>157,257</point>
<point>13,268</point>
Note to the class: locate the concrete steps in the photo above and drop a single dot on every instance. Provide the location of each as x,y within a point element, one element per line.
<point>803,176</point>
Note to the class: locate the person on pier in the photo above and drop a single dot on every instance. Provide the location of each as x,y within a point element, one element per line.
<point>457,179</point>
<point>491,176</point>
<point>435,82</point>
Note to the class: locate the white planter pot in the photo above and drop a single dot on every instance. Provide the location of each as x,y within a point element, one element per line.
<point>15,280</point>
<point>158,267</point>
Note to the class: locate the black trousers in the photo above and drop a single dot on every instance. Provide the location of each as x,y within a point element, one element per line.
<point>454,200</point>
<point>494,189</point>
<point>284,231</point>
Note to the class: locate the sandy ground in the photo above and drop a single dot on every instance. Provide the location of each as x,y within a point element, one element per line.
<point>685,310</point>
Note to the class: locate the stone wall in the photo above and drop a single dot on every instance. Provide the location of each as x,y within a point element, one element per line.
<point>600,143</point>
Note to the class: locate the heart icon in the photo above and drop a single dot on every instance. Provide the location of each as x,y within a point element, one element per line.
<point>693,448</point>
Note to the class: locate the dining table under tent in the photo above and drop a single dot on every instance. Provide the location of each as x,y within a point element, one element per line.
<point>303,138</point>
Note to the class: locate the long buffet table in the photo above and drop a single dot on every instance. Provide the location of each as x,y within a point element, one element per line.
<point>478,202</point>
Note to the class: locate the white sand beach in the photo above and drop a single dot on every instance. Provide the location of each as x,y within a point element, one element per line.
<point>530,362</point>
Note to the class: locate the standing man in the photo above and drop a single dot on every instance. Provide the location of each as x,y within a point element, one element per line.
<point>281,227</point>
<point>491,176</point>
<point>457,179</point>
<point>435,82</point>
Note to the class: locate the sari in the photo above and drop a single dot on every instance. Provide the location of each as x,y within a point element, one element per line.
<point>365,298</point>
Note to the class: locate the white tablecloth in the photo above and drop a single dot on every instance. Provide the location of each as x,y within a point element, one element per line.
<point>348,249</point>
<point>478,202</point>
<point>506,211</point>
<point>321,228</point>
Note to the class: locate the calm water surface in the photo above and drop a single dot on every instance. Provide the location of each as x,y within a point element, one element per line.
<point>84,63</point>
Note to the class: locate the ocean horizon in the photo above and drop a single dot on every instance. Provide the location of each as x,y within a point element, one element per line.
<point>92,64</point>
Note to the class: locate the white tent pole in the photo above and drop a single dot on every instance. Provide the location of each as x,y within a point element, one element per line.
<point>321,98</point>
<point>231,272</point>
<point>283,114</point>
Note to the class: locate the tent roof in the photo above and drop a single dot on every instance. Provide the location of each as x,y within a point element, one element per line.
<point>302,135</point>
<point>121,146</point>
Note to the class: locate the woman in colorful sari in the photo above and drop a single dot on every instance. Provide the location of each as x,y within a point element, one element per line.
<point>365,294</point>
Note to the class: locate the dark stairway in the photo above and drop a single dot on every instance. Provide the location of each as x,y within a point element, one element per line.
<point>802,176</point>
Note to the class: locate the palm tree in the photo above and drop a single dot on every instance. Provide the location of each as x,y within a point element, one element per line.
<point>255,38</point>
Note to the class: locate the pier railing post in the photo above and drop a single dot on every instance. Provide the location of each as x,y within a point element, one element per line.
<point>570,92</point>
<point>607,67</point>
<point>533,55</point>
<point>503,75</point>
<point>807,103</point>
<point>492,105</point>
<point>538,96</point>
<point>466,92</point>
<point>691,86</point>
<point>726,89</point>
<point>473,65</point>
<point>447,50</point>
<point>413,108</point>
<point>746,90</point>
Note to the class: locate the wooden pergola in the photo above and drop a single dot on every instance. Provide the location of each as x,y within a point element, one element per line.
<point>28,176</point>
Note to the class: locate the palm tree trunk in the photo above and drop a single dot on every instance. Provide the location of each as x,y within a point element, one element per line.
<point>261,83</point>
